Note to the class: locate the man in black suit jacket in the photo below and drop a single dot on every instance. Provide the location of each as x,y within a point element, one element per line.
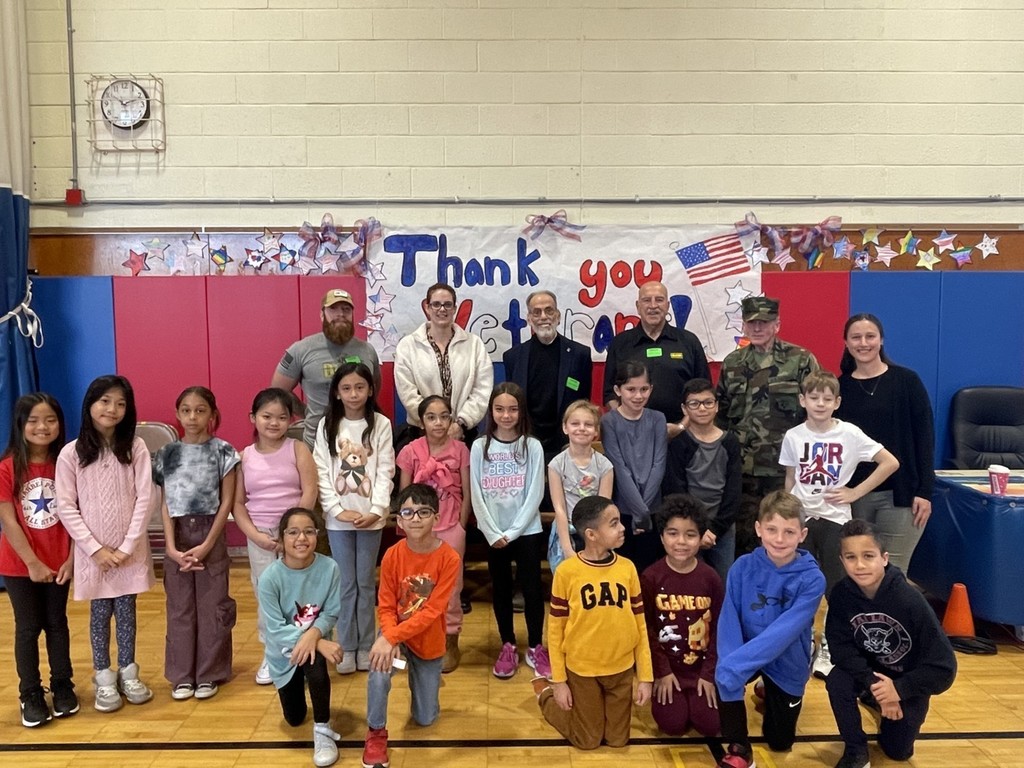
<point>551,369</point>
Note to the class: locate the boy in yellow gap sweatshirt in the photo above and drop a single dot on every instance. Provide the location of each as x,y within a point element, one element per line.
<point>596,636</point>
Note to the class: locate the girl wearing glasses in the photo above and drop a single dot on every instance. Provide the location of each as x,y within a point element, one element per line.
<point>355,462</point>
<point>299,597</point>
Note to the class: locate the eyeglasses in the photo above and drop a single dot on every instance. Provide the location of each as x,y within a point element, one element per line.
<point>437,306</point>
<point>544,312</point>
<point>294,533</point>
<point>693,405</point>
<point>435,417</point>
<point>408,513</point>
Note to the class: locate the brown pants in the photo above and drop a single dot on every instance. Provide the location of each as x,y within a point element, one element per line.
<point>602,708</point>
<point>200,613</point>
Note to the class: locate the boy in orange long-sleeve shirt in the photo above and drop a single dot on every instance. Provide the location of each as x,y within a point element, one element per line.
<point>417,576</point>
<point>596,636</point>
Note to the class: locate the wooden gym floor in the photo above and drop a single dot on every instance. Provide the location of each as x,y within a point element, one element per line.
<point>484,721</point>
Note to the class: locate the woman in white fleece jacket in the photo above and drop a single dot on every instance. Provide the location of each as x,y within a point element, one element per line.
<point>440,358</point>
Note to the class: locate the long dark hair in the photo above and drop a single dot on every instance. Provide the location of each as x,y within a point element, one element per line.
<point>200,391</point>
<point>336,408</point>
<point>847,364</point>
<point>522,426</point>
<point>90,442</point>
<point>17,448</point>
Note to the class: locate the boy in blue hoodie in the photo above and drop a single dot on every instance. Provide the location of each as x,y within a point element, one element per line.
<point>764,629</point>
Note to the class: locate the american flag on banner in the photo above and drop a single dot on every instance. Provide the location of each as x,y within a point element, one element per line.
<point>714,258</point>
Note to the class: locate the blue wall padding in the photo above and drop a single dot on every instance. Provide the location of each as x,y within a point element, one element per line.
<point>78,325</point>
<point>908,304</point>
<point>980,337</point>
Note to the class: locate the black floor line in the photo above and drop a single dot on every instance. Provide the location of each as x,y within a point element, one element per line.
<point>450,743</point>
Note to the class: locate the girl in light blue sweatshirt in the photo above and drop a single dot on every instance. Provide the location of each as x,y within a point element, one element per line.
<point>507,482</point>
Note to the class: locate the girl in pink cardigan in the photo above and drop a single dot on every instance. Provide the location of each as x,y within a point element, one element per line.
<point>104,483</point>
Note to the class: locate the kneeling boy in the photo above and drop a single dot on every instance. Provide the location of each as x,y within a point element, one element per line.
<point>771,597</point>
<point>417,576</point>
<point>596,635</point>
<point>887,646</point>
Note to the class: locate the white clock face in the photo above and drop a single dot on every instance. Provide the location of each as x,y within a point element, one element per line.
<point>125,104</point>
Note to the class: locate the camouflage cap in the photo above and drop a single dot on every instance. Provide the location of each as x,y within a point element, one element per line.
<point>760,308</point>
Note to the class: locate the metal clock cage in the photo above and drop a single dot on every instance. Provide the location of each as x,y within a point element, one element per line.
<point>151,136</point>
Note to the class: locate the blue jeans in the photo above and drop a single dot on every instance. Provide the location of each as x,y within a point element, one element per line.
<point>355,552</point>
<point>723,554</point>
<point>424,684</point>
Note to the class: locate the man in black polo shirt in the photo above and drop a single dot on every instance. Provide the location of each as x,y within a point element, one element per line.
<point>672,355</point>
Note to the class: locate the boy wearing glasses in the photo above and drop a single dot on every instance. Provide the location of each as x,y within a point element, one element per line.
<point>704,461</point>
<point>417,576</point>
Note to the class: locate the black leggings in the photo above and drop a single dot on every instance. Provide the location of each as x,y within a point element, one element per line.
<point>293,693</point>
<point>527,552</point>
<point>39,608</point>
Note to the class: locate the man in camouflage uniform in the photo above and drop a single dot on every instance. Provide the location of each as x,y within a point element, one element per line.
<point>758,394</point>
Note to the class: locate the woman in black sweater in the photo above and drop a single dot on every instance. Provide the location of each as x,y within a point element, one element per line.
<point>891,405</point>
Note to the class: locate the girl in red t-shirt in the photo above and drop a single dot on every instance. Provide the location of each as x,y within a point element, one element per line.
<point>35,556</point>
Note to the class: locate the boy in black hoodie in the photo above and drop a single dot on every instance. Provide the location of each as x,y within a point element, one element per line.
<point>886,644</point>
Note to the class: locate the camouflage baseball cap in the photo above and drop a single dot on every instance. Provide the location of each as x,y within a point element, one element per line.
<point>760,308</point>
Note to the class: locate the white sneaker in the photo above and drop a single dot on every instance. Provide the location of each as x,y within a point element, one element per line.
<point>263,674</point>
<point>136,691</point>
<point>363,661</point>
<point>325,751</point>
<point>108,699</point>
<point>348,663</point>
<point>822,665</point>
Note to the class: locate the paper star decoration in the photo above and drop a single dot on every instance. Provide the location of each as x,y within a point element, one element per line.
<point>255,259</point>
<point>987,246</point>
<point>841,248</point>
<point>782,259</point>
<point>870,235</point>
<point>927,259</point>
<point>219,256</point>
<point>374,273</point>
<point>137,262</point>
<point>156,248</point>
<point>196,247</point>
<point>862,259</point>
<point>382,299</point>
<point>307,264</point>
<point>885,254</point>
<point>734,319</point>
<point>391,336</point>
<point>285,257</point>
<point>372,322</point>
<point>908,243</point>
<point>737,293</point>
<point>329,260</point>
<point>962,256</point>
<point>944,241</point>
<point>814,257</point>
<point>271,241</point>
<point>757,254</point>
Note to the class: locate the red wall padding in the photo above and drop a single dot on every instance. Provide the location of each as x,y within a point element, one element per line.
<point>813,310</point>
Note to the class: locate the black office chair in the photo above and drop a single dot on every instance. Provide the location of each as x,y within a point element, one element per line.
<point>988,427</point>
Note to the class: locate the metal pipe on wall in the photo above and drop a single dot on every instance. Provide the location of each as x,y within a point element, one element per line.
<point>74,117</point>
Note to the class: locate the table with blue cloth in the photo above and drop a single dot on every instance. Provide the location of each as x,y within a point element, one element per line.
<point>975,538</point>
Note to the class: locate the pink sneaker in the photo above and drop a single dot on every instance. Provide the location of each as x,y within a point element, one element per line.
<point>507,663</point>
<point>537,659</point>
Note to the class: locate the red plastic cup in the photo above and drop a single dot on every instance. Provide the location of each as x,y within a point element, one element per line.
<point>998,479</point>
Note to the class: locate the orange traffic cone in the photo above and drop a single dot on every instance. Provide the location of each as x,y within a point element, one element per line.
<point>958,621</point>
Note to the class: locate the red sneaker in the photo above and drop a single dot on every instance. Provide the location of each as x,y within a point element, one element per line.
<point>737,756</point>
<point>375,751</point>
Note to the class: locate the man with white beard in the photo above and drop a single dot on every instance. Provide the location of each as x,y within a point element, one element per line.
<point>312,361</point>
<point>552,370</point>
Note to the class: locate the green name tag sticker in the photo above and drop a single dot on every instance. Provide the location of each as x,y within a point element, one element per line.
<point>353,359</point>
<point>654,352</point>
<point>572,384</point>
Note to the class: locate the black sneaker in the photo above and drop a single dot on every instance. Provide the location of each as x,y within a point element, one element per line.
<point>854,759</point>
<point>65,702</point>
<point>34,710</point>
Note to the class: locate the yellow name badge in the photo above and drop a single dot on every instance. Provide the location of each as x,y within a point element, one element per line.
<point>676,355</point>
<point>654,352</point>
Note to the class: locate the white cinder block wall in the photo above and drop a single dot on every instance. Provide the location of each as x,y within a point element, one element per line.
<point>391,100</point>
